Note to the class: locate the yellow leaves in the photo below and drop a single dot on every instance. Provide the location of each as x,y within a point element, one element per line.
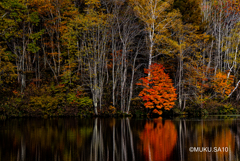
<point>158,18</point>
<point>112,109</point>
<point>94,17</point>
<point>95,3</point>
<point>7,68</point>
<point>231,45</point>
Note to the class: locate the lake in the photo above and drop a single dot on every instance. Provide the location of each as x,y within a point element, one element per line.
<point>125,139</point>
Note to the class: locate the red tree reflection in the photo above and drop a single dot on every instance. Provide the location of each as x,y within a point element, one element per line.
<point>158,140</point>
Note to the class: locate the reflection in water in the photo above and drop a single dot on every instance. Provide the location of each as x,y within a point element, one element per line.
<point>158,139</point>
<point>116,147</point>
<point>44,139</point>
<point>118,139</point>
<point>214,135</point>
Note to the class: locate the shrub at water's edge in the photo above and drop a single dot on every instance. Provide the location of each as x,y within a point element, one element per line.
<point>47,101</point>
<point>62,100</point>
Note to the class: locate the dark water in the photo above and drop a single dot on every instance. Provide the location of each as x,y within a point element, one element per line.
<point>75,139</point>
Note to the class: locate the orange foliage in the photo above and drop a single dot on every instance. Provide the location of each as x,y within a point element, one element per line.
<point>158,139</point>
<point>15,92</point>
<point>158,91</point>
<point>223,85</point>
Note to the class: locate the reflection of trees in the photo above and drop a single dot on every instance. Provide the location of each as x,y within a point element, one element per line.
<point>116,140</point>
<point>158,139</point>
<point>42,140</point>
<point>206,133</point>
<point>67,139</point>
<point>181,140</point>
<point>97,144</point>
<point>235,129</point>
<point>112,143</point>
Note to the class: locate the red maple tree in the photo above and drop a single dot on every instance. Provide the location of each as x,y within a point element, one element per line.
<point>158,92</point>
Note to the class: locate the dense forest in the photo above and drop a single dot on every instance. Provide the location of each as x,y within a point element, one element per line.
<point>76,57</point>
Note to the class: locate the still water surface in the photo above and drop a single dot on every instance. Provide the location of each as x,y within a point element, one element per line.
<point>109,139</point>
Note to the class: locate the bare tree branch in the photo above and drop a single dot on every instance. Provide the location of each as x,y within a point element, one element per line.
<point>234,88</point>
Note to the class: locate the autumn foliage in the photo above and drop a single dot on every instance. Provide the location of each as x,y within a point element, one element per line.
<point>223,85</point>
<point>50,49</point>
<point>158,92</point>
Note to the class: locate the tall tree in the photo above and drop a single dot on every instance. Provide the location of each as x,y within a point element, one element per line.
<point>189,55</point>
<point>20,37</point>
<point>91,29</point>
<point>124,30</point>
<point>158,17</point>
<point>55,16</point>
<point>222,16</point>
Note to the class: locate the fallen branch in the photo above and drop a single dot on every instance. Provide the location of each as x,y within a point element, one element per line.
<point>4,15</point>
